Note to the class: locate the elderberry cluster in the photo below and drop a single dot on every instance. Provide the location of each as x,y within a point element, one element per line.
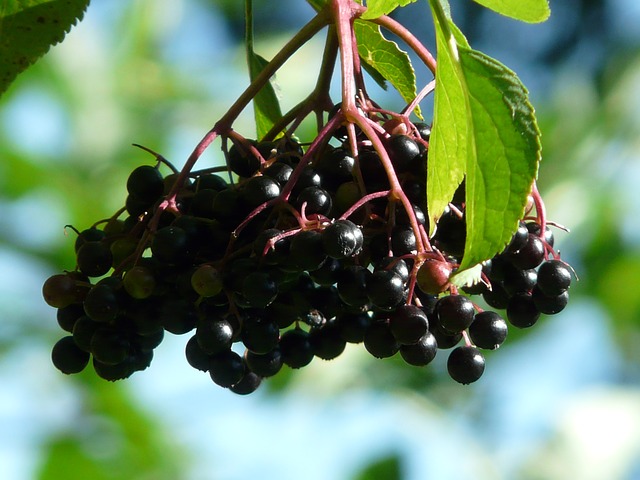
<point>290,255</point>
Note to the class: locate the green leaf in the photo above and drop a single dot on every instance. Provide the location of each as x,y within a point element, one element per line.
<point>28,28</point>
<point>377,8</point>
<point>532,11</point>
<point>387,59</point>
<point>266,107</point>
<point>484,129</point>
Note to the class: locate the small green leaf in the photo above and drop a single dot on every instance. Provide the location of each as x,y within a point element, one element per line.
<point>385,57</point>
<point>266,106</point>
<point>532,11</point>
<point>28,28</point>
<point>485,129</point>
<point>468,277</point>
<point>377,8</point>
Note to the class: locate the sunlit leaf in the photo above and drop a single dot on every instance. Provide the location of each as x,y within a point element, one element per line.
<point>28,28</point>
<point>376,8</point>
<point>387,59</point>
<point>485,130</point>
<point>266,106</point>
<point>532,11</point>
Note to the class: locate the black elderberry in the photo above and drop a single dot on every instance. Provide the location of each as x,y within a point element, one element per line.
<point>519,281</point>
<point>554,277</point>
<point>403,151</point>
<point>385,289</point>
<point>519,239</point>
<point>109,346</point>
<point>497,297</point>
<point>271,254</point>
<point>352,285</point>
<point>177,315</point>
<point>529,256</point>
<point>335,167</point>
<point>146,183</point>
<point>226,207</point>
<point>295,348</point>
<point>522,311</point>
<point>548,237</point>
<point>408,324</point>
<point>259,289</point>
<point>444,339</point>
<point>112,373</point>
<point>396,265</point>
<point>92,234</point>
<point>260,335</point>
<point>488,330</point>
<point>94,258</point>
<point>451,232</point>
<point>403,219</point>
<point>549,304</point>
<point>422,352</point>
<point>465,364</point>
<point>424,130</point>
<point>242,161</point>
<point>214,336</point>
<point>67,357</point>
<point>306,250</point>
<point>202,203</point>
<point>148,341</point>
<point>101,303</point>
<point>196,356</point>
<point>379,340</point>
<point>403,240</point>
<point>258,190</point>
<point>455,313</point>
<point>171,245</point>
<point>326,341</point>
<point>342,239</point>
<point>280,172</point>
<point>353,326</point>
<point>249,383</point>
<point>328,274</point>
<point>264,365</point>
<point>226,368</point>
<point>68,316</point>
<point>83,331</point>
<point>210,181</point>
<point>309,177</point>
<point>315,200</point>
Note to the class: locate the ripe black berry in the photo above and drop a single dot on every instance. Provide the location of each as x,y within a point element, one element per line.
<point>521,311</point>
<point>455,313</point>
<point>408,324</point>
<point>295,348</point>
<point>488,330</point>
<point>68,357</point>
<point>342,239</point>
<point>379,340</point>
<point>226,368</point>
<point>465,364</point>
<point>554,277</point>
<point>422,352</point>
<point>385,289</point>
